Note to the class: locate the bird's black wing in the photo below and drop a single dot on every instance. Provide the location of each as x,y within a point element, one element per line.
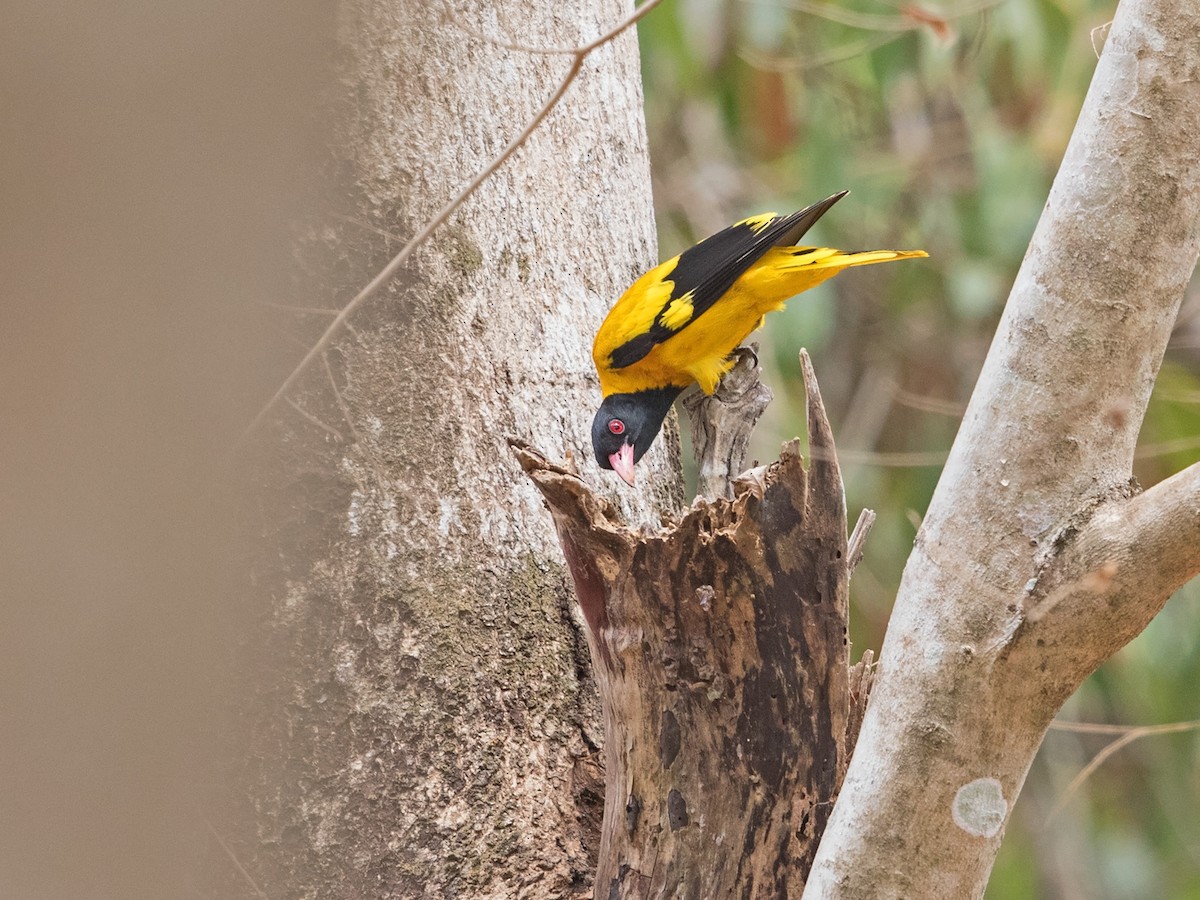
<point>706,271</point>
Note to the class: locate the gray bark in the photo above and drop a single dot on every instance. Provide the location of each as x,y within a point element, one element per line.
<point>721,424</point>
<point>421,721</point>
<point>1037,558</point>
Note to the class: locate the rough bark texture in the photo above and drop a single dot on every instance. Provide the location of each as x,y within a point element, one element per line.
<point>721,655</point>
<point>721,424</point>
<point>418,720</point>
<point>1036,560</point>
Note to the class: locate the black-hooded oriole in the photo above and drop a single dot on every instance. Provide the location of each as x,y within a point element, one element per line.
<point>679,322</point>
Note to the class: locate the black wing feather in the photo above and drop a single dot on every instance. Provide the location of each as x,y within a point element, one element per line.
<point>710,268</point>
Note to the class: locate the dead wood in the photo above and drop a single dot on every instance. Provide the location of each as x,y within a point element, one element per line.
<point>721,656</point>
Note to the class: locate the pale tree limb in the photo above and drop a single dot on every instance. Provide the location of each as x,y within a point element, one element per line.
<point>1036,492</point>
<point>578,55</point>
<point>1112,577</point>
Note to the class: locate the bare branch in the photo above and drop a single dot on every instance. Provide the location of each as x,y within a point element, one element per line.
<point>345,411</point>
<point>929,404</point>
<point>387,272</point>
<point>237,864</point>
<point>329,429</point>
<point>1098,43</point>
<point>858,538</point>
<point>1165,448</point>
<point>875,21</point>
<point>1035,493</point>
<point>887,28</point>
<point>1130,735</point>
<point>916,459</point>
<point>300,310</point>
<point>1091,727</point>
<point>838,54</point>
<point>449,16</point>
<point>1134,554</point>
<point>367,226</point>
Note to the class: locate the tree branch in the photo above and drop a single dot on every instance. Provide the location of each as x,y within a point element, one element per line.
<point>1120,569</point>
<point>1128,737</point>
<point>968,681</point>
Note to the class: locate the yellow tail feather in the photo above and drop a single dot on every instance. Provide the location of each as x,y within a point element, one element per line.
<point>828,258</point>
<point>786,271</point>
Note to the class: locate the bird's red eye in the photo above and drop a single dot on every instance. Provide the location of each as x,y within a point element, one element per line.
<point>616,426</point>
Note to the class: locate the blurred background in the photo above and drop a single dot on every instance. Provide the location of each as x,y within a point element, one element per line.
<point>947,122</point>
<point>153,157</point>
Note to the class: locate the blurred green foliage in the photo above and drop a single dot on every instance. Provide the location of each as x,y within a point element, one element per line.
<point>948,123</point>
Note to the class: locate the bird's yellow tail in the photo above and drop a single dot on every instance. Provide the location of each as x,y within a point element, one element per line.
<point>786,271</point>
<point>828,258</point>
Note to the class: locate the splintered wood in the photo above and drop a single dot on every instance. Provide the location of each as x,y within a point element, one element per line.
<point>719,647</point>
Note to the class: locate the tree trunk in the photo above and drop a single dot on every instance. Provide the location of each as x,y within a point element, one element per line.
<point>420,722</point>
<point>1037,558</point>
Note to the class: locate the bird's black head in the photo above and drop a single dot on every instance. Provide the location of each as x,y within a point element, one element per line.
<point>626,425</point>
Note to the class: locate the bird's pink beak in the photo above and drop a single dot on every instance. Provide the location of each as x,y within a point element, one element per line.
<point>622,463</point>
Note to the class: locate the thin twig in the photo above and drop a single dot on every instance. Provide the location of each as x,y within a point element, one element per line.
<point>858,539</point>
<point>632,19</point>
<point>1097,47</point>
<point>875,21</point>
<point>1090,727</point>
<point>915,460</point>
<point>237,864</point>
<point>314,420</point>
<point>1178,396</point>
<point>397,261</point>
<point>852,18</point>
<point>340,402</point>
<point>478,34</point>
<point>1098,760</point>
<point>918,459</point>
<point>382,232</point>
<point>367,451</point>
<point>886,28</point>
<point>829,57</point>
<point>1163,448</point>
<point>928,404</point>
<point>302,310</point>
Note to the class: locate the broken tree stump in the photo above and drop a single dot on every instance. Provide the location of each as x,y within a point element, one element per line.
<point>720,649</point>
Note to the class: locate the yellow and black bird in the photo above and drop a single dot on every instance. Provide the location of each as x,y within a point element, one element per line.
<point>679,322</point>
